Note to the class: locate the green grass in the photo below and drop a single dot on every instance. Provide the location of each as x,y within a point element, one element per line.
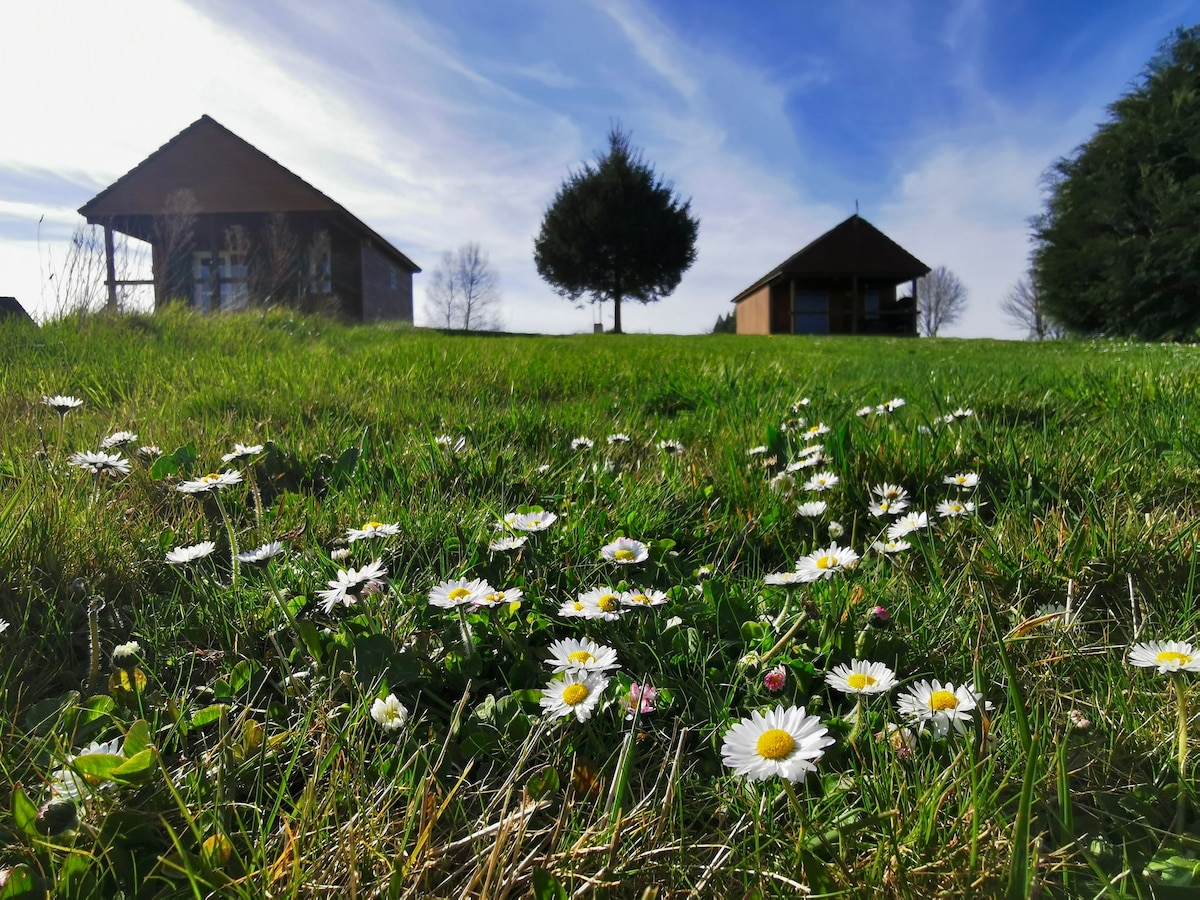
<point>251,764</point>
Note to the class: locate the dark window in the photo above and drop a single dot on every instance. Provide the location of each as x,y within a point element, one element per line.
<point>872,303</point>
<point>810,312</point>
<point>393,281</point>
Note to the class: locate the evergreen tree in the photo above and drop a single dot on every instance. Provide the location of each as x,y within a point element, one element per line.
<point>616,231</point>
<point>1117,247</point>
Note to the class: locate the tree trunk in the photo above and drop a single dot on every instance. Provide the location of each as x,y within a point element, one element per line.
<point>617,315</point>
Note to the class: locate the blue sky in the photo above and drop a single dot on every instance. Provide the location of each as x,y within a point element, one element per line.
<point>445,122</point>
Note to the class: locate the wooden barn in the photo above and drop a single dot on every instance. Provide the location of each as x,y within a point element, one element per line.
<point>226,223</point>
<point>844,282</point>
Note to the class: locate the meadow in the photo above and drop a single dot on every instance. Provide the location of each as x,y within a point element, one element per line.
<point>301,609</point>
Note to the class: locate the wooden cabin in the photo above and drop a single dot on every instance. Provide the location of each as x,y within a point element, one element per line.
<point>227,224</point>
<point>844,282</point>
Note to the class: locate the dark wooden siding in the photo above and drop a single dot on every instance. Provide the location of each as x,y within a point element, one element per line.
<point>386,288</point>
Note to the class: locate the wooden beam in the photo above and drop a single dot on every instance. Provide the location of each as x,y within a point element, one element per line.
<point>111,266</point>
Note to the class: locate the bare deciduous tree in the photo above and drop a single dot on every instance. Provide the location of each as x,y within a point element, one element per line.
<point>941,301</point>
<point>277,258</point>
<point>1023,306</point>
<point>78,285</point>
<point>174,234</point>
<point>464,291</point>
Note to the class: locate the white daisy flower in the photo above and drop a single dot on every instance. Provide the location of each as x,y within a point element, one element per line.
<point>582,443</point>
<point>62,404</point>
<point>643,597</point>
<point>125,652</point>
<point>371,530</point>
<point>814,431</point>
<point>1166,656</point>
<point>601,603</point>
<point>962,413</point>
<point>836,529</point>
<point>350,583</point>
<point>784,742</point>
<point>953,509</point>
<point>826,563</point>
<point>672,447</point>
<point>618,438</point>
<point>938,706</point>
<point>886,507</point>
<point>181,555</point>
<point>892,546</point>
<point>508,543</point>
<point>339,554</point>
<point>574,609</point>
<point>887,491</point>
<point>757,451</point>
<point>575,694</point>
<point>496,597</point>
<point>389,713</point>
<point>450,444</point>
<point>3,625</point>
<point>800,404</point>
<point>784,579</point>
<point>822,481</point>
<point>625,551</point>
<point>534,521</point>
<point>261,554</point>
<point>459,591</point>
<point>118,439</point>
<point>211,482</point>
<point>861,676</point>
<point>864,411</point>
<point>149,451</point>
<point>805,462</point>
<point>782,483</point>
<point>893,405</point>
<point>242,451</point>
<point>113,465</point>
<point>907,524</point>
<point>962,480</point>
<point>812,509</point>
<point>67,784</point>
<point>570,655</point>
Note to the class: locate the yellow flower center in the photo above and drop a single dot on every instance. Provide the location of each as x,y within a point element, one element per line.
<point>494,598</point>
<point>581,657</point>
<point>1172,656</point>
<point>574,694</point>
<point>940,700</point>
<point>624,554</point>
<point>775,744</point>
<point>459,593</point>
<point>640,598</point>
<point>608,602</point>
<point>860,680</point>
<point>372,525</point>
<point>578,606</point>
<point>211,477</point>
<point>827,562</point>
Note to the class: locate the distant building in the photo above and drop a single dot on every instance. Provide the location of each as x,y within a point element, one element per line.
<point>844,282</point>
<point>226,223</point>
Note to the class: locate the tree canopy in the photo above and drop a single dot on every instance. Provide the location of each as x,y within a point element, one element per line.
<point>616,231</point>
<point>1117,246</point>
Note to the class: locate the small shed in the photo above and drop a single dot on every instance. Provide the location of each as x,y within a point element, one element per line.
<point>844,282</point>
<point>227,223</point>
<point>11,310</point>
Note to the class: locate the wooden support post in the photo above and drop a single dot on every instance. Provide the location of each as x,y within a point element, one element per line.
<point>111,266</point>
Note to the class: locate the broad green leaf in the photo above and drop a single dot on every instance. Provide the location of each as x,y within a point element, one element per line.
<point>137,738</point>
<point>208,715</point>
<point>24,812</point>
<point>97,765</point>
<point>136,769</point>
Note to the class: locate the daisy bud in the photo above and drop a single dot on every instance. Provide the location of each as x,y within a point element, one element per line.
<point>774,680</point>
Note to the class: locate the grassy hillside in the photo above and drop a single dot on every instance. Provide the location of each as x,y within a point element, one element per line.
<point>244,755</point>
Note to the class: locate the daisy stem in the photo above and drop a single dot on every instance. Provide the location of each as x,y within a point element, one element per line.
<point>278,596</point>
<point>1181,735</point>
<point>95,604</point>
<point>465,630</point>
<point>233,549</point>
<point>782,642</point>
<point>795,803</point>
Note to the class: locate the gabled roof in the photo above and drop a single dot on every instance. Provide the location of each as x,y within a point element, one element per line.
<point>227,175</point>
<point>855,247</point>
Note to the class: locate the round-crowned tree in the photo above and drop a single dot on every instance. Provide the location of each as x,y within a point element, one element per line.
<point>616,231</point>
<point>1117,250</point>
